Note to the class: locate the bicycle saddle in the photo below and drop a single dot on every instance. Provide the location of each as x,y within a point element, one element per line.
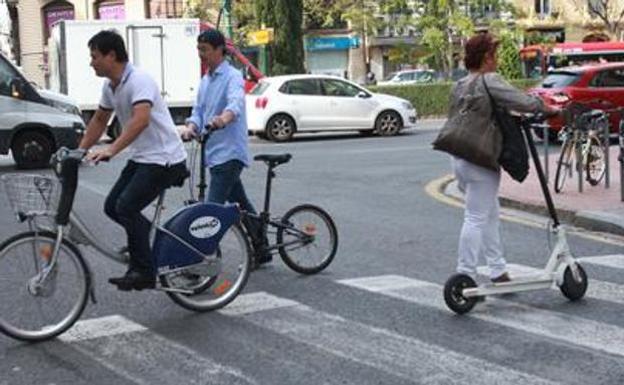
<point>274,159</point>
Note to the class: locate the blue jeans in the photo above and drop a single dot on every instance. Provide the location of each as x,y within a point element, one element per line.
<point>137,186</point>
<point>226,185</point>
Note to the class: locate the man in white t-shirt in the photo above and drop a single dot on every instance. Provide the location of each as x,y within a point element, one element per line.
<point>157,155</point>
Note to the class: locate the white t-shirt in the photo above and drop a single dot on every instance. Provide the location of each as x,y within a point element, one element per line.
<point>159,142</point>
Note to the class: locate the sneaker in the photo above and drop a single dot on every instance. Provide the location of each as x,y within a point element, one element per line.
<point>501,278</point>
<point>133,280</point>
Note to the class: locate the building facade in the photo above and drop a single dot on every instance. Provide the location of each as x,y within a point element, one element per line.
<point>34,18</point>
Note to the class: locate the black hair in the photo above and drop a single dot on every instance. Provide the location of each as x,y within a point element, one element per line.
<point>107,41</point>
<point>213,37</point>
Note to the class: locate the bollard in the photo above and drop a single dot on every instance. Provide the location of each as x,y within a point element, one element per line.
<point>579,166</point>
<point>546,129</point>
<point>621,157</point>
<point>607,132</point>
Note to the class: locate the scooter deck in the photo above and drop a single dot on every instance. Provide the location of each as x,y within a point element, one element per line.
<point>520,283</point>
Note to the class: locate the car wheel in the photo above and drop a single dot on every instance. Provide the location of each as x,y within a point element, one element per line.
<point>32,149</point>
<point>280,128</point>
<point>388,123</point>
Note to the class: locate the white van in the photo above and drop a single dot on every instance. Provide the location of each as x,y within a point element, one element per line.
<point>33,122</point>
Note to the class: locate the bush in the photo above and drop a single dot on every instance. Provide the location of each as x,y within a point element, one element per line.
<point>431,100</point>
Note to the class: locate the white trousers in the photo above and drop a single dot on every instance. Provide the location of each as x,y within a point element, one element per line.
<point>480,232</point>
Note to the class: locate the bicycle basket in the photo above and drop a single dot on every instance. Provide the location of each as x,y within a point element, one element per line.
<point>32,194</point>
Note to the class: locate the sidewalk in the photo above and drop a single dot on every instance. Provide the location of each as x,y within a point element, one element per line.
<point>596,208</point>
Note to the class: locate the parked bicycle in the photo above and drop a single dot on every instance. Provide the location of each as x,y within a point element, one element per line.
<point>202,254</point>
<point>582,137</point>
<point>305,236</point>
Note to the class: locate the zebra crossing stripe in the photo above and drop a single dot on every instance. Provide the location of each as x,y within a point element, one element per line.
<point>615,261</point>
<point>558,326</point>
<point>602,290</point>
<point>145,358</point>
<point>398,355</point>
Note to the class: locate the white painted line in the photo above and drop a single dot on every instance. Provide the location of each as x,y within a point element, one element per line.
<point>255,302</point>
<point>602,290</point>
<point>562,327</point>
<point>384,350</point>
<point>615,261</point>
<point>100,327</point>
<point>146,358</point>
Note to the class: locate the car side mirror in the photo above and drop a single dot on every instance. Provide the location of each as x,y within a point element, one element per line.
<point>363,95</point>
<point>17,88</point>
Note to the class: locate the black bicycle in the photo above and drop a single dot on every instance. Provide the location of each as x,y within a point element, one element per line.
<point>305,237</point>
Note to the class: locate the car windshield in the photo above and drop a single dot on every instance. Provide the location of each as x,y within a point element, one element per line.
<point>390,76</point>
<point>560,79</point>
<point>260,88</point>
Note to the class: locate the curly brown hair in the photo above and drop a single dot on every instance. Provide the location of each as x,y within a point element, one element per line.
<point>477,48</point>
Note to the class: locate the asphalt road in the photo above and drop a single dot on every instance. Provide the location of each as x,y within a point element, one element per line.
<point>375,316</point>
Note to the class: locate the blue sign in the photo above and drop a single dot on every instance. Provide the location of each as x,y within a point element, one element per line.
<point>337,43</point>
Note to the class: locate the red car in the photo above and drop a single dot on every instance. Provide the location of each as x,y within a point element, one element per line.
<point>599,86</point>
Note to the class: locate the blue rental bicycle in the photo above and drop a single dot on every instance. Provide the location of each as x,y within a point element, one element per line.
<point>202,253</point>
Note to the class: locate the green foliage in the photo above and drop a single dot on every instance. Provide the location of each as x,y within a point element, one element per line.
<point>285,17</point>
<point>432,100</point>
<point>319,14</point>
<point>509,57</point>
<point>195,9</point>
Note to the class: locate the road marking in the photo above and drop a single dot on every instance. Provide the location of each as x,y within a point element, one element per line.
<point>615,261</point>
<point>146,358</point>
<point>602,290</point>
<point>434,190</point>
<point>384,350</point>
<point>565,328</point>
<point>255,302</point>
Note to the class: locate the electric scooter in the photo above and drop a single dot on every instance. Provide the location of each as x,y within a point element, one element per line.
<point>461,292</point>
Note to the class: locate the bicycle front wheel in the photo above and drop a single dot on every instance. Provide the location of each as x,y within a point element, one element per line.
<point>309,239</point>
<point>564,165</point>
<point>214,283</point>
<point>38,311</point>
<point>595,164</point>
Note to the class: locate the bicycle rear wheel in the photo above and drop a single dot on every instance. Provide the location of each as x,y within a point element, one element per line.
<point>595,164</point>
<point>32,312</point>
<point>564,165</point>
<point>214,283</point>
<point>309,237</point>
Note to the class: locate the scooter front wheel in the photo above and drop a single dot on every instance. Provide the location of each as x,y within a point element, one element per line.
<point>453,296</point>
<point>571,288</point>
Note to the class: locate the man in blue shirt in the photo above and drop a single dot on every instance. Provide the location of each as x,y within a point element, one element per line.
<point>220,103</point>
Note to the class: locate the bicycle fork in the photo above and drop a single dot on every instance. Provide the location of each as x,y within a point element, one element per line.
<point>44,282</point>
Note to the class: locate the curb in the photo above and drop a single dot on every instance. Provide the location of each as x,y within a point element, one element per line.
<point>590,220</point>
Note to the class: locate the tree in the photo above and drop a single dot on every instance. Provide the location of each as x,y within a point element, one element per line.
<point>286,18</point>
<point>509,56</point>
<point>609,12</point>
<point>444,26</point>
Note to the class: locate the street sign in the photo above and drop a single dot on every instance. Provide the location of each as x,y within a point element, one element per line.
<point>260,37</point>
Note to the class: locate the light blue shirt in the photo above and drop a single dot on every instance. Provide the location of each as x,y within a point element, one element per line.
<point>220,90</point>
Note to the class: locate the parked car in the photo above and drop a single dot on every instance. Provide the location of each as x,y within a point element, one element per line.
<point>408,77</point>
<point>599,86</point>
<point>34,123</point>
<point>281,106</point>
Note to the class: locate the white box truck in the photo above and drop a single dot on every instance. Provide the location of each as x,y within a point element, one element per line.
<point>165,48</point>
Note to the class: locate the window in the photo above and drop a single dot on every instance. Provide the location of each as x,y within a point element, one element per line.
<point>542,7</point>
<point>301,87</point>
<point>609,79</point>
<point>334,87</point>
<point>560,79</point>
<point>260,88</point>
<point>7,75</point>
<point>55,12</point>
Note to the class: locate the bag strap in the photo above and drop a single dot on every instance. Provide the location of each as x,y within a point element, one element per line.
<point>487,89</point>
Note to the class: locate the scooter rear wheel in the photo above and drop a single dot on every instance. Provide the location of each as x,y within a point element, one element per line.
<point>572,289</point>
<point>453,293</point>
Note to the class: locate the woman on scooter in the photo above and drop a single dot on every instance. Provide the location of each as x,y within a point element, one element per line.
<point>480,231</point>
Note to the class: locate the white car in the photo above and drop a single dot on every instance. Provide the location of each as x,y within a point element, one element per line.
<point>407,77</point>
<point>278,107</point>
